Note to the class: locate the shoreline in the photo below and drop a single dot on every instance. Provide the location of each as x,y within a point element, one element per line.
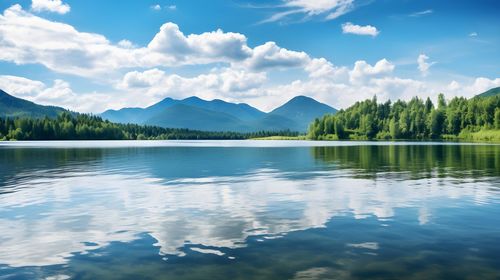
<point>77,144</point>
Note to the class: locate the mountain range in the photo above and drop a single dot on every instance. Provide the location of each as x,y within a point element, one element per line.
<point>219,115</point>
<point>192,113</point>
<point>198,114</point>
<point>11,106</point>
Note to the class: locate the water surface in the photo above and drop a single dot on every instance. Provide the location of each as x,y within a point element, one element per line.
<point>249,210</point>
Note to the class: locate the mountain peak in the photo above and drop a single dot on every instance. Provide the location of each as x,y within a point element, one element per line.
<point>302,102</point>
<point>193,98</point>
<point>218,114</point>
<point>303,109</point>
<point>302,97</point>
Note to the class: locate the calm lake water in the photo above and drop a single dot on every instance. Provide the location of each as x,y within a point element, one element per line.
<point>249,210</point>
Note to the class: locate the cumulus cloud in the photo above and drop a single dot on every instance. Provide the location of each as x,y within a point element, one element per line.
<point>349,28</point>
<point>423,65</point>
<point>20,86</point>
<point>138,75</point>
<point>271,55</point>
<point>27,38</point>
<point>363,71</point>
<point>453,86</point>
<point>206,46</point>
<point>219,83</point>
<point>328,9</point>
<point>30,39</point>
<point>56,6</point>
<point>156,7</point>
<point>320,68</point>
<point>59,93</point>
<point>470,87</point>
<point>137,79</point>
<point>479,85</point>
<point>240,80</point>
<point>348,86</point>
<point>126,44</point>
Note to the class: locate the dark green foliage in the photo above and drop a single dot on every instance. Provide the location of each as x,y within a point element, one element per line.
<point>69,126</point>
<point>414,119</point>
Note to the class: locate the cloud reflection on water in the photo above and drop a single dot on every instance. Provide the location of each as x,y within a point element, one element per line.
<point>48,219</point>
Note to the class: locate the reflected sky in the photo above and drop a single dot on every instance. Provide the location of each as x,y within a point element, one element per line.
<point>60,206</point>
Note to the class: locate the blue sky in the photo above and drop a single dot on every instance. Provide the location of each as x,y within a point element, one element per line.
<point>94,55</point>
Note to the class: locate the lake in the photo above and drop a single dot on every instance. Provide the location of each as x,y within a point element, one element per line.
<point>249,210</point>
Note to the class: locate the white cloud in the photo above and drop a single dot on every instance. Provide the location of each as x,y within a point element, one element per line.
<point>126,44</point>
<point>471,87</point>
<point>316,7</point>
<point>240,81</point>
<point>139,76</point>
<point>59,94</point>
<point>219,83</point>
<point>56,6</point>
<point>330,9</point>
<point>349,28</point>
<point>422,13</point>
<point>208,46</point>
<point>27,38</point>
<point>320,68</point>
<point>397,88</point>
<point>136,79</point>
<point>158,7</point>
<point>423,65</point>
<point>30,39</point>
<point>20,86</point>
<point>453,86</point>
<point>363,71</point>
<point>242,206</point>
<point>473,34</point>
<point>270,55</point>
<point>344,8</point>
<point>480,85</point>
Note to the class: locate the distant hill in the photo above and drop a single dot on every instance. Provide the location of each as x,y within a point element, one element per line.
<point>242,111</point>
<point>302,110</point>
<point>219,115</point>
<point>11,106</point>
<point>192,113</point>
<point>185,116</point>
<point>491,92</point>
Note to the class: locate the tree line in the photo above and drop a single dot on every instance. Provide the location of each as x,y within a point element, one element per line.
<point>415,119</point>
<point>69,126</point>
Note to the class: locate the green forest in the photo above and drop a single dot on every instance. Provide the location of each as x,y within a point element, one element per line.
<point>68,126</point>
<point>473,119</point>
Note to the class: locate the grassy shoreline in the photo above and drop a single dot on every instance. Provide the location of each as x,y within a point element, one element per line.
<point>486,135</point>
